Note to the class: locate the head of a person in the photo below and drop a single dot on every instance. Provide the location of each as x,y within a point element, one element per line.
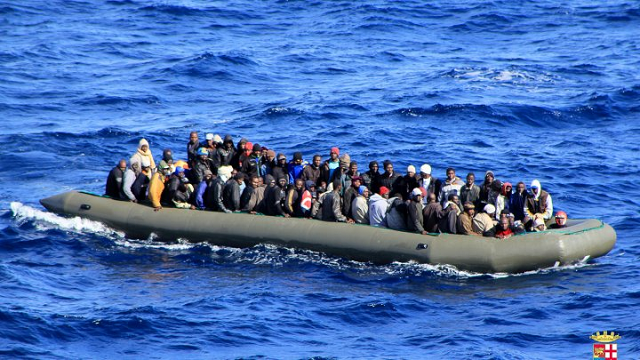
<point>208,175</point>
<point>388,166</point>
<point>337,185</point>
<point>416,194</point>
<point>353,167</point>
<point>165,169</point>
<point>167,156</point>
<point>471,179</point>
<point>317,159</point>
<point>193,137</point>
<point>310,185</point>
<point>297,158</point>
<point>356,181</point>
<point>271,155</point>
<point>521,187</point>
<point>364,191</point>
<point>255,181</point>
<point>299,184</point>
<point>561,218</point>
<point>489,177</point>
<point>135,166</point>
<point>257,150</point>
<point>373,166</point>
<point>469,208</point>
<point>453,198</point>
<point>504,223</point>
<point>209,138</point>
<point>203,153</point>
<point>143,145</point>
<point>122,164</point>
<point>228,142</point>
<point>490,209</point>
<point>384,192</point>
<point>239,178</point>
<point>282,181</point>
<point>411,171</point>
<point>179,172</point>
<point>425,171</point>
<point>432,198</point>
<point>451,173</point>
<point>345,160</point>
<point>282,159</point>
<point>507,188</point>
<point>535,187</point>
<point>504,213</point>
<point>334,153</point>
<point>241,144</point>
<point>538,225</point>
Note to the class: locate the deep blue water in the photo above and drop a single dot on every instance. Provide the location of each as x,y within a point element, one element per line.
<point>529,89</point>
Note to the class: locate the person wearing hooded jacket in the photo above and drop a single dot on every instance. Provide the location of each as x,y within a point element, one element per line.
<point>349,195</point>
<point>360,206</point>
<point>143,152</point>
<point>157,186</point>
<point>504,199</point>
<point>378,204</point>
<point>226,152</point>
<point>295,167</point>
<point>370,177</point>
<point>113,187</point>
<point>538,204</point>
<point>397,213</point>
<point>214,197</point>
<point>231,192</point>
<point>128,179</point>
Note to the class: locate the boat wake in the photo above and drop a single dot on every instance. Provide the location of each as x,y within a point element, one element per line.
<point>262,254</point>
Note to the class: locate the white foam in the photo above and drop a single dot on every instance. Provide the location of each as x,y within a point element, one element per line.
<point>45,219</point>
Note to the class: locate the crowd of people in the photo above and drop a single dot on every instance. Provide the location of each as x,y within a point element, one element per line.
<point>219,175</point>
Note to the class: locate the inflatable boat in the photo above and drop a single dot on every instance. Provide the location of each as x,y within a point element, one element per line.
<point>579,240</point>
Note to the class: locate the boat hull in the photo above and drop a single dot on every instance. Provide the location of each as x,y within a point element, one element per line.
<point>581,239</point>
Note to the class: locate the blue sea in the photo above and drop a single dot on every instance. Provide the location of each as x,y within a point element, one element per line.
<point>543,89</point>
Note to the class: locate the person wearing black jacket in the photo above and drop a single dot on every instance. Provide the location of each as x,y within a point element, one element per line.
<point>113,188</point>
<point>274,197</point>
<point>370,177</point>
<point>213,198</point>
<point>389,179</point>
<point>251,164</point>
<point>292,201</point>
<point>226,152</point>
<point>231,193</point>
<point>350,194</point>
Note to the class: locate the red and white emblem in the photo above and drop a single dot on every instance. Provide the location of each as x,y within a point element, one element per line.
<point>605,351</point>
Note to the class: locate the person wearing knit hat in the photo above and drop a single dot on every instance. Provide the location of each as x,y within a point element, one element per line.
<point>408,182</point>
<point>295,167</point>
<point>415,217</point>
<point>281,169</point>
<point>370,178</point>
<point>378,206</point>
<point>251,164</point>
<point>431,183</point>
<point>143,152</point>
<point>329,166</point>
<point>389,179</point>
<point>360,206</point>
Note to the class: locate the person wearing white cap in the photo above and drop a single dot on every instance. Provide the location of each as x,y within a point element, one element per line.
<point>428,182</point>
<point>484,221</point>
<point>415,218</point>
<point>408,182</point>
